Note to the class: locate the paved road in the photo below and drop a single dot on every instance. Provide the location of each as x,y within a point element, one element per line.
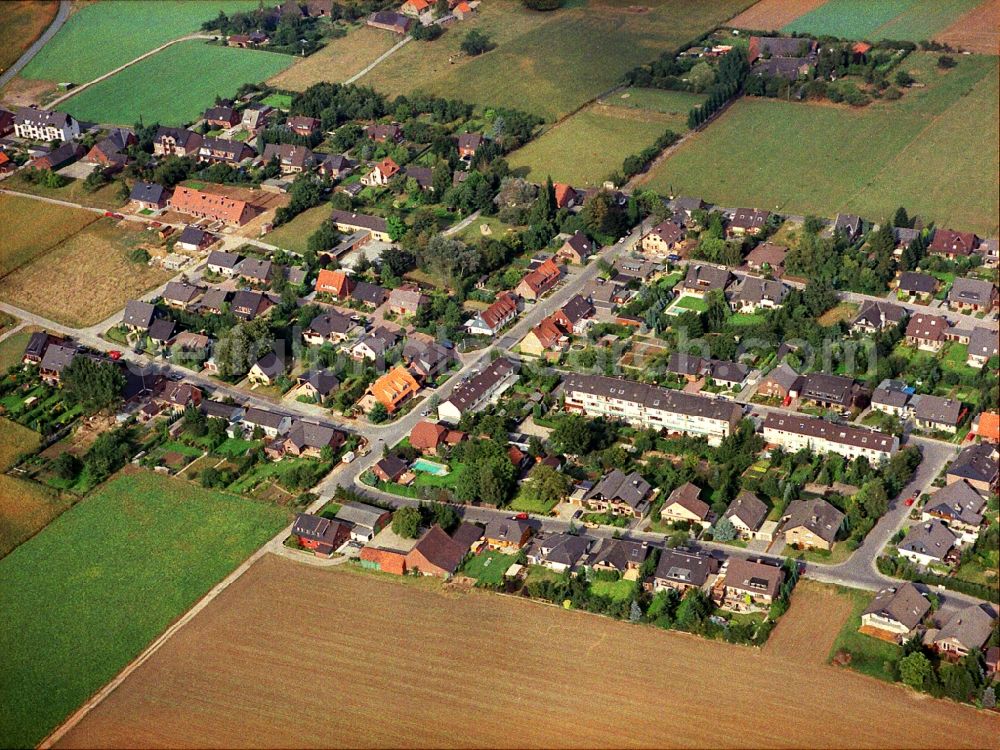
<point>61,15</point>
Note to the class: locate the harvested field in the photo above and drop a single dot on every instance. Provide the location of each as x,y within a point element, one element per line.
<point>338,60</point>
<point>23,22</point>
<point>29,228</point>
<point>87,277</point>
<point>976,31</point>
<point>469,661</point>
<point>771,15</point>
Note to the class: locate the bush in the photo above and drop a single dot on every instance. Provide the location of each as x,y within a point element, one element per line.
<point>544,5</point>
<point>476,43</point>
<point>139,255</point>
<point>946,61</point>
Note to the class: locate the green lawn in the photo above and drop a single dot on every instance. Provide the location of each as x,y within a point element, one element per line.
<point>174,86</point>
<point>691,303</point>
<point>869,656</point>
<point>746,319</point>
<point>12,349</point>
<point>488,567</point>
<point>233,447</point>
<point>921,152</point>
<point>912,20</point>
<point>677,103</point>
<point>620,590</point>
<point>100,37</point>
<point>526,504</point>
<point>547,63</point>
<point>953,359</point>
<point>295,234</point>
<point>586,148</point>
<point>88,593</point>
<point>278,101</point>
<point>449,480</point>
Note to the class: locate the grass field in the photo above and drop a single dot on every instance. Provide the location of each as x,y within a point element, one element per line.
<point>101,36</point>
<point>12,347</point>
<point>110,575</point>
<point>488,567</point>
<point>84,279</point>
<point>869,655</point>
<point>547,63</point>
<point>25,507</point>
<point>338,60</point>
<point>238,657</point>
<point>587,147</point>
<point>921,152</point>
<point>29,228</point>
<point>23,22</point>
<point>294,235</point>
<point>618,591</point>
<point>913,20</point>
<point>174,86</point>
<point>675,103</point>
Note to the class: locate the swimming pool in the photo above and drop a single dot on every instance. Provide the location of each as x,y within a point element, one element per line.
<point>430,467</point>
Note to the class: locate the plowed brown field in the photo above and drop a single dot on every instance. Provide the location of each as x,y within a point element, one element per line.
<point>976,31</point>
<point>771,15</point>
<point>293,656</point>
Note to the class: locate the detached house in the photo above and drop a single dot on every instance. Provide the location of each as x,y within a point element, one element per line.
<point>919,285</point>
<point>494,318</point>
<point>747,513</point>
<point>148,196</point>
<point>468,145</point>
<point>302,126</point>
<point>849,225</point>
<point>321,535</point>
<point>926,543</point>
<point>972,295</point>
<point>507,535</point>
<point>983,345</point>
<point>338,284</point>
<point>223,151</point>
<point>702,279</point>
<point>782,382</point>
<point>979,465</point>
<point>291,159</point>
<point>753,293</point>
<point>684,504</point>
<point>407,300</point>
<point>381,173</point>
<point>176,142</point>
<point>767,257</point>
<point>223,263</point>
<point>748,221</point>
<point>812,524</point>
<point>392,390</point>
<point>927,332</point>
<point>539,281</point>
<point>221,117</point>
<point>194,239</point>
<point>952,244</point>
<point>746,585</point>
<point>936,414</point>
<point>349,223</point>
<point>625,557</point>
<point>877,316</point>
<point>966,630</point>
<point>559,552</point>
<point>681,570</point>
<point>110,150</point>
<point>138,315</point>
<point>896,610</point>
<point>620,494</point>
<point>960,506</point>
<point>267,369</point>
<point>384,133</point>
<point>662,239</point>
<point>330,327</point>
<point>577,249</point>
<point>436,553</point>
<point>43,125</point>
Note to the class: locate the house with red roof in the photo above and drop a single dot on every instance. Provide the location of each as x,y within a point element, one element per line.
<point>335,283</point>
<point>953,245</point>
<point>381,173</point>
<point>566,195</point>
<point>539,281</point>
<point>494,318</point>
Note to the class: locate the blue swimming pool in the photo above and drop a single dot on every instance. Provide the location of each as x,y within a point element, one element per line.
<point>430,467</point>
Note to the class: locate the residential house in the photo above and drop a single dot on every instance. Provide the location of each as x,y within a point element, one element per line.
<point>392,469</point>
<point>436,553</point>
<point>318,385</point>
<point>684,504</point>
<point>423,176</point>
<point>747,513</point>
<point>576,249</point>
<point>927,332</point>
<point>903,237</point>
<point>381,173</point>
<point>767,258</point>
<point>56,358</point>
<point>58,157</point>
<point>407,300</point>
<point>849,225</point>
<point>302,126</point>
<point>223,263</point>
<point>620,494</point>
<point>986,427</point>
<point>384,133</point>
<point>983,345</point>
<point>978,465</point>
<point>920,285</point>
<point>702,278</point>
<point>650,406</point>
<point>682,569</point>
<point>812,524</point>
<point>267,369</point>
<point>270,423</point>
<point>6,122</point>
<point>334,166</point>
<point>765,47</point>
<point>965,631</point>
<point>255,270</point>
<point>928,542</point>
<point>148,196</point>
<point>507,534</point>
<point>392,390</point>
<point>192,343</point>
<point>782,382</point>
<point>539,281</point>
<point>231,414</point>
<point>575,316</point>
<point>639,270</point>
<point>193,239</point>
<point>221,117</point>
<point>794,433</point>
<point>248,305</point>
<point>176,142</point>
<point>748,221</point>
<point>989,252</point>
<point>687,205</point>
<point>834,391</point>
<point>161,332</point>
<point>748,585</point>
<point>559,552</point>
<point>181,294</point>
<point>328,328</point>
<point>547,336</point>
<point>256,116</point>
<point>369,295</point>
<point>952,244</point>
<point>390,21</point>
<point>469,396</point>
<point>323,536</point>
<point>365,520</point>
<point>374,344</point>
<point>468,145</point>
<point>429,438</point>
<point>566,196</point>
<point>45,125</point>
<point>621,555</point>
<point>662,239</point>
<point>307,439</point>
<point>110,150</point>
<point>224,151</point>
<point>338,284</point>
<point>896,610</point>
<point>138,315</point>
<point>291,159</point>
<point>937,414</point>
<point>211,206</point>
<point>494,318</point>
<point>972,295</point>
<point>893,397</point>
<point>960,506</point>
<point>427,360</point>
<point>38,342</point>
<point>877,316</point>
<point>752,293</point>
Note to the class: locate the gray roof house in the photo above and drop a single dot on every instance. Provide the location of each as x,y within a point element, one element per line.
<point>957,504</point>
<point>747,512</point>
<point>617,488</point>
<point>877,316</point>
<point>983,344</point>
<point>815,515</point>
<point>139,315</point>
<point>966,630</point>
<point>978,464</point>
<point>559,552</point>
<point>917,283</point>
<point>975,293</point>
<point>703,278</point>
<point>683,569</point>
<point>936,413</point>
<point>927,542</point>
<point>898,609</point>
<point>619,554</point>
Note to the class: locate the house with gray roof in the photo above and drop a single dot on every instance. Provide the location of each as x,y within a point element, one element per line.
<point>752,293</point>
<point>747,513</point>
<point>812,524</point>
<point>56,359</point>
<point>223,263</point>
<point>622,555</point>
<point>559,552</point>
<point>682,569</point>
<point>149,195</point>
<point>897,610</point>
<point>928,542</point>
<point>849,225</point>
<point>893,397</point>
<point>972,295</point>
<point>620,494</point>
<point>181,294</point>
<point>960,506</point>
<point>978,465</point>
<point>877,315</point>
<point>685,504</point>
<point>919,285</point>
<point>965,631</point>
<point>936,414</point>
<point>983,344</point>
<point>329,327</point>
<point>138,315</point>
<point>703,278</point>
<point>271,423</point>
<point>365,520</point>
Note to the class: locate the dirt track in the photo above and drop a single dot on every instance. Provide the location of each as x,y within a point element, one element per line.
<point>297,656</point>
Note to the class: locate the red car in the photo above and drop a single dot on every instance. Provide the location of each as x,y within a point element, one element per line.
<point>910,501</point>
<point>115,354</point>
<point>521,517</point>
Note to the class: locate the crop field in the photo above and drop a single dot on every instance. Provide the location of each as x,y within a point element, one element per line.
<point>25,507</point>
<point>28,228</point>
<point>85,278</point>
<point>174,86</point>
<point>887,19</point>
<point>547,63</point>
<point>23,22</point>
<point>294,235</point>
<point>591,144</point>
<point>976,31</point>
<point>338,60</point>
<point>921,152</point>
<point>102,36</point>
<point>239,657</point>
<point>770,15</point>
<point>110,575</point>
